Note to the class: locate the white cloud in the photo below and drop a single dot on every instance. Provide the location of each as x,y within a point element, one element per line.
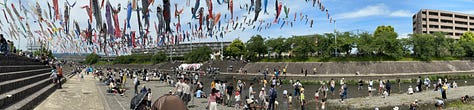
<point>401,13</point>
<point>468,12</point>
<point>374,10</point>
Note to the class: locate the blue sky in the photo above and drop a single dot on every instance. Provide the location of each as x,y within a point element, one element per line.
<point>351,15</point>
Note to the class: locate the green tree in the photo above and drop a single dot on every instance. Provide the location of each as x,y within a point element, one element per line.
<point>423,46</point>
<point>345,42</point>
<point>386,42</point>
<point>325,44</point>
<point>467,42</point>
<point>303,45</point>
<point>43,52</point>
<point>92,59</point>
<point>441,44</point>
<point>256,44</point>
<point>277,45</point>
<point>159,57</point>
<point>407,46</point>
<point>467,36</point>
<point>235,49</point>
<point>365,44</point>
<point>455,47</point>
<point>201,54</point>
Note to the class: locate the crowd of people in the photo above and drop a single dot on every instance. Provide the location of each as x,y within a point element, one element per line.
<point>259,93</point>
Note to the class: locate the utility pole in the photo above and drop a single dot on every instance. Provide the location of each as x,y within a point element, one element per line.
<point>335,39</point>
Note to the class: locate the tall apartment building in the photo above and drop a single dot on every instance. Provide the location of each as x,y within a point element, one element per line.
<point>453,24</point>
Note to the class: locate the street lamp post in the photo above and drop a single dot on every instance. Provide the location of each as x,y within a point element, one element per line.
<point>335,39</point>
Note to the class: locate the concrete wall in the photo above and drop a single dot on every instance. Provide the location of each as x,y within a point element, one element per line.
<point>364,67</point>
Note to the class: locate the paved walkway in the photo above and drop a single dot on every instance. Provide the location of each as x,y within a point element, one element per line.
<point>77,94</point>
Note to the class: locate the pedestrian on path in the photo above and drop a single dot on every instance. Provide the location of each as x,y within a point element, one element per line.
<point>273,96</point>
<point>136,82</point>
<point>333,84</point>
<point>213,97</point>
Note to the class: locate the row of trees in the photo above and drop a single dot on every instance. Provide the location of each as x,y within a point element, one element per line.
<point>383,42</point>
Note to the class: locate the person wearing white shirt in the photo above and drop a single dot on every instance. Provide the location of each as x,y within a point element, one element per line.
<point>410,90</point>
<point>186,91</point>
<point>179,88</point>
<point>251,92</point>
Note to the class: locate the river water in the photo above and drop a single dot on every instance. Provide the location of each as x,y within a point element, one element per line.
<point>310,90</point>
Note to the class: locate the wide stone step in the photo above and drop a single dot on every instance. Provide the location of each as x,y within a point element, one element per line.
<point>6,86</point>
<point>21,74</point>
<point>5,69</point>
<point>30,102</point>
<point>14,96</point>
<point>16,60</point>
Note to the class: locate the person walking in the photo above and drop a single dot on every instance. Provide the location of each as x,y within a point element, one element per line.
<point>136,82</point>
<point>333,84</point>
<point>297,86</point>
<point>388,87</point>
<point>186,91</point>
<point>443,90</point>
<point>213,97</point>
<point>229,90</point>
<point>251,92</point>
<point>60,75</point>
<point>302,100</point>
<point>419,83</point>
<point>273,96</point>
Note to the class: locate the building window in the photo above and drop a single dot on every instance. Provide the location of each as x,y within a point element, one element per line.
<point>447,27</point>
<point>461,28</point>
<point>446,21</point>
<point>460,16</point>
<point>434,26</point>
<point>446,15</point>
<point>424,25</point>
<point>433,20</point>
<point>471,29</point>
<point>460,22</point>
<point>424,32</point>
<point>434,13</point>
<point>423,12</point>
<point>424,19</point>
<point>458,34</point>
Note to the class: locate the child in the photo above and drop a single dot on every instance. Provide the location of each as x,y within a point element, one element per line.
<point>303,101</point>
<point>323,103</point>
<point>237,99</point>
<point>290,99</point>
<point>316,96</point>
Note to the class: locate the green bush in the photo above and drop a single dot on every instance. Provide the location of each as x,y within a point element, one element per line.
<point>199,55</point>
<point>140,59</point>
<point>92,59</point>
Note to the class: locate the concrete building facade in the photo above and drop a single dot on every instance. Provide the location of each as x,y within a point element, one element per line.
<point>453,24</point>
<point>183,48</point>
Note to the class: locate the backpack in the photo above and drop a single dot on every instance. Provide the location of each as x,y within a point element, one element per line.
<point>273,93</point>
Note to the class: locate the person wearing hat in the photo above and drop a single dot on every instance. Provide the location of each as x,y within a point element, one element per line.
<point>302,100</point>
<point>262,94</point>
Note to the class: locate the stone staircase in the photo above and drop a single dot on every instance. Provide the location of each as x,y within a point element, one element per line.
<point>24,83</point>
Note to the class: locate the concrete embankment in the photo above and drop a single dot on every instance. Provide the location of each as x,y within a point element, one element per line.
<point>382,67</point>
